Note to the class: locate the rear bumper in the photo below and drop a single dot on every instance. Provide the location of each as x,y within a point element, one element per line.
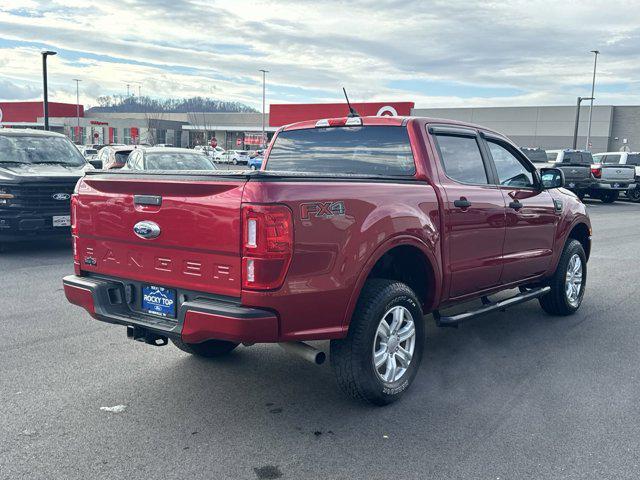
<point>578,185</point>
<point>198,319</point>
<point>613,186</point>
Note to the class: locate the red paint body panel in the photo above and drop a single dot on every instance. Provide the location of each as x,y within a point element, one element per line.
<point>198,249</point>
<point>485,249</point>
<point>331,253</point>
<point>81,297</point>
<point>200,326</point>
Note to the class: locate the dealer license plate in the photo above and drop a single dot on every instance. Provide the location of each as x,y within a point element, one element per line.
<point>61,220</point>
<point>159,301</point>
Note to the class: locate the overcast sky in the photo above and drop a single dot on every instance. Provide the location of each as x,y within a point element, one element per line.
<point>438,53</point>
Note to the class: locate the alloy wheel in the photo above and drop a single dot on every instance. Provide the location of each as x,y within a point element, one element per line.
<point>573,280</point>
<point>394,344</point>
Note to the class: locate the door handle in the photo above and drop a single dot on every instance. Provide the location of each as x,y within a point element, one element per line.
<point>515,205</point>
<point>462,203</point>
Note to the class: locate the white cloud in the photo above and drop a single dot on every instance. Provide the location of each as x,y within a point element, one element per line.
<point>439,53</point>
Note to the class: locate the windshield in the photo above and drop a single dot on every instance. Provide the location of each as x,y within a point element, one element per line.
<point>39,149</point>
<point>535,155</point>
<point>122,156</point>
<point>372,150</point>
<point>177,161</point>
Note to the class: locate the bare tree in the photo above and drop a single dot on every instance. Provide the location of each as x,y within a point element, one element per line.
<point>153,122</point>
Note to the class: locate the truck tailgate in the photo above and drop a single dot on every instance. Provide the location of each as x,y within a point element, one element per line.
<point>576,172</point>
<point>198,246</point>
<point>618,173</point>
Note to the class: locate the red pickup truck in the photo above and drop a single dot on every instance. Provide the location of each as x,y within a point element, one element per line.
<point>354,229</point>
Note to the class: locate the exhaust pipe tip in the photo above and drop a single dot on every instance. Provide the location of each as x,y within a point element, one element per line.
<point>305,351</point>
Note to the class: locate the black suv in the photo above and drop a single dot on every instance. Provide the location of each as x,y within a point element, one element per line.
<point>38,172</point>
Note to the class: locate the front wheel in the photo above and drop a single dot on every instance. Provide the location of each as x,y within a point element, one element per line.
<point>568,282</point>
<point>252,167</point>
<point>634,194</point>
<point>609,197</point>
<point>380,357</point>
<point>235,162</point>
<point>208,349</point>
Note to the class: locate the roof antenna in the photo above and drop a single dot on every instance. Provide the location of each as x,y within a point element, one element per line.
<point>352,111</point>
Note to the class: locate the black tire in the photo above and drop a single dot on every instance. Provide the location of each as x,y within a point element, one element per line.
<point>556,302</point>
<point>634,194</point>
<point>609,197</point>
<point>352,357</point>
<point>208,349</point>
<point>580,195</point>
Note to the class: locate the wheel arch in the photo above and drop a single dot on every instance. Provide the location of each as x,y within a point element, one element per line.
<point>384,263</point>
<point>581,232</point>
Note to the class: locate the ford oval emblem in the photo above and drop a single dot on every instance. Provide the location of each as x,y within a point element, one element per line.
<point>61,196</point>
<point>146,229</point>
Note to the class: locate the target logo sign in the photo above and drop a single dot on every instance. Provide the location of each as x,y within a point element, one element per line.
<point>387,111</point>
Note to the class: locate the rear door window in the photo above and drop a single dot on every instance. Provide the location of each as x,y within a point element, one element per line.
<point>461,159</point>
<point>364,150</point>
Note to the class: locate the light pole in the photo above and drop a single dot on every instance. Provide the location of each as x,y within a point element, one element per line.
<point>575,130</point>
<point>45,54</point>
<point>77,109</point>
<point>593,87</point>
<point>264,74</point>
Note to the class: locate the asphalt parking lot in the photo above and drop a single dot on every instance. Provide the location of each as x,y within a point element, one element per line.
<point>516,395</point>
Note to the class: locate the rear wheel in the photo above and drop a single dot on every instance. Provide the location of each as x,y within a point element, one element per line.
<point>208,349</point>
<point>634,194</point>
<point>568,282</point>
<point>609,197</point>
<point>380,357</point>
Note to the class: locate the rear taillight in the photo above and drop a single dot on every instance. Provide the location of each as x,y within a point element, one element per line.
<point>596,172</point>
<point>267,245</point>
<point>74,232</point>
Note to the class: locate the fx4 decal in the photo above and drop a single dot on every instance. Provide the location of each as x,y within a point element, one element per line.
<point>321,209</point>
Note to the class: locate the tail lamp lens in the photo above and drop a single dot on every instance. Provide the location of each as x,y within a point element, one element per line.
<point>596,172</point>
<point>267,245</point>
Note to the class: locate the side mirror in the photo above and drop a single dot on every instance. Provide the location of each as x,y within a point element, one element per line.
<point>551,178</point>
<point>96,164</point>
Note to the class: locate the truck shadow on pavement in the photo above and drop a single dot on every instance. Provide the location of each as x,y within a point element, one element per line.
<point>476,367</point>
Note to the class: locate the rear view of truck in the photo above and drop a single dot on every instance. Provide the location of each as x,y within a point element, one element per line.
<point>163,256</point>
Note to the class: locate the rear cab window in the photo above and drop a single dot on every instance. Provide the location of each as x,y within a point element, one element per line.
<point>461,159</point>
<point>359,150</point>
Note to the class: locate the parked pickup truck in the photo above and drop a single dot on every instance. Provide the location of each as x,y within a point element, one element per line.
<point>38,172</point>
<point>584,177</point>
<point>623,158</point>
<point>354,230</point>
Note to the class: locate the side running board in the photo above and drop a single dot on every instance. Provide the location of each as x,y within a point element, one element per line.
<point>488,307</point>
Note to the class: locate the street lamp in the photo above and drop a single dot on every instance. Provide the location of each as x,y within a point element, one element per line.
<point>593,86</point>
<point>575,130</point>
<point>264,73</point>
<point>77,108</point>
<point>45,54</point>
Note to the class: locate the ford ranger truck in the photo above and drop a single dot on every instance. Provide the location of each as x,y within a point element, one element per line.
<point>353,231</point>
